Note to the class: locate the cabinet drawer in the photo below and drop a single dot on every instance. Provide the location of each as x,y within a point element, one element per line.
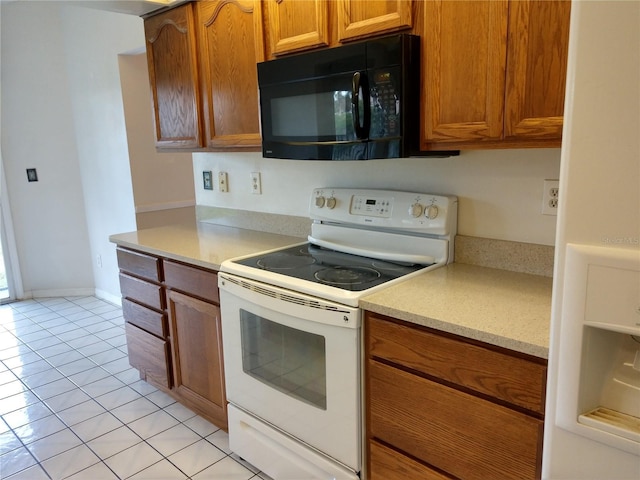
<point>149,354</point>
<point>387,464</point>
<point>141,291</point>
<point>461,434</point>
<point>512,379</point>
<point>145,318</point>
<point>194,281</point>
<point>139,264</point>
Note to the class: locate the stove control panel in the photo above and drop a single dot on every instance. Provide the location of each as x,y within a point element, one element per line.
<point>431,214</point>
<point>371,206</point>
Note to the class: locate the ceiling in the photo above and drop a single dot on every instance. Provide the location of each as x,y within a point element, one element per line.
<point>130,7</point>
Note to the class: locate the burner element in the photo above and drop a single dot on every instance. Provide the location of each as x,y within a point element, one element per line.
<point>285,261</point>
<point>347,275</point>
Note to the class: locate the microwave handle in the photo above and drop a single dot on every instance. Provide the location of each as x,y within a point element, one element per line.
<point>359,81</point>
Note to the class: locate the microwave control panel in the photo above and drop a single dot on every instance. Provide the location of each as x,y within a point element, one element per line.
<point>385,104</point>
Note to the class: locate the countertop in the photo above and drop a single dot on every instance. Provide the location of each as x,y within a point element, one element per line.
<point>204,244</point>
<point>500,307</point>
<point>507,309</point>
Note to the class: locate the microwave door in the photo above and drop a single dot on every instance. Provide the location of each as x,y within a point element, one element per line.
<point>319,119</point>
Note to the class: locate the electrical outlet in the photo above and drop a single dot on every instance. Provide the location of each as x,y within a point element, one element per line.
<point>256,184</point>
<point>550,196</point>
<point>223,182</point>
<point>99,261</point>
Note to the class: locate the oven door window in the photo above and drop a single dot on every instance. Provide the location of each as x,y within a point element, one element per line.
<point>290,360</point>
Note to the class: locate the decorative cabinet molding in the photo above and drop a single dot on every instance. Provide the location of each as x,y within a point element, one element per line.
<point>230,43</point>
<point>202,70</point>
<point>173,76</point>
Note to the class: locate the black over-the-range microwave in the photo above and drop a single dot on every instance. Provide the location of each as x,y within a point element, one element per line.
<point>354,102</point>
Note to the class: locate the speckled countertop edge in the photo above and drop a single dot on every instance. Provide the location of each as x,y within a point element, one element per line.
<point>502,308</point>
<point>203,244</point>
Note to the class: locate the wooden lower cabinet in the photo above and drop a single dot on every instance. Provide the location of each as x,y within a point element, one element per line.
<point>149,354</point>
<point>436,408</point>
<point>196,338</point>
<point>172,325</point>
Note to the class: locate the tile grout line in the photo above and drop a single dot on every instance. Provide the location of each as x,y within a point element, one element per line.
<point>29,311</point>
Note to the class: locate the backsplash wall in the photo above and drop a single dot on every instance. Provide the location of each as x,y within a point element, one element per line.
<point>499,191</point>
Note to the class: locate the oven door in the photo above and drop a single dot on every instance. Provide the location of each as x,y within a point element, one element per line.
<point>293,361</point>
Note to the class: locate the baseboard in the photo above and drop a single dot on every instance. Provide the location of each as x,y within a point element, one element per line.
<point>109,297</point>
<point>62,292</point>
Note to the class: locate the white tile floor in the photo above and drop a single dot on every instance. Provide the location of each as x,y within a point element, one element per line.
<point>72,407</point>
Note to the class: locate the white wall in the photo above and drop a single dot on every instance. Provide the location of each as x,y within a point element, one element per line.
<point>162,182</point>
<point>93,40</point>
<point>600,195</point>
<point>62,113</point>
<point>500,191</point>
<point>37,131</point>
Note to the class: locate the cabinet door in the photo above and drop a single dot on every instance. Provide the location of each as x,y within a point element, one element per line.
<point>196,346</point>
<point>358,19</point>
<point>230,45</point>
<point>173,75</point>
<point>464,59</point>
<point>536,69</point>
<point>297,25</point>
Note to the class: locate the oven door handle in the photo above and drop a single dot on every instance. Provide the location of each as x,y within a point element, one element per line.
<point>380,255</point>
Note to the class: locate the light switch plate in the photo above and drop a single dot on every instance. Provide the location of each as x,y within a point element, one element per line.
<point>207,180</point>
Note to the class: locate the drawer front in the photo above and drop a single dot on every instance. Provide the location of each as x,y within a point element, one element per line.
<point>509,378</point>
<point>194,281</point>
<point>461,434</point>
<point>141,291</point>
<point>387,464</point>
<point>145,318</point>
<point>139,264</point>
<point>149,354</point>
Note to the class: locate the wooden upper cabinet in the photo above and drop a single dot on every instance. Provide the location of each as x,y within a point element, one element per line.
<point>230,40</point>
<point>464,48</point>
<point>536,69</point>
<point>296,25</point>
<point>173,76</point>
<point>357,19</point>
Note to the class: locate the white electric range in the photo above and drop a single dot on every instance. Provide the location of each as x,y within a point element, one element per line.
<point>291,326</point>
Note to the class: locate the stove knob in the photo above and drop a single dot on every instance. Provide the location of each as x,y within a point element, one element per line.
<point>331,203</point>
<point>415,210</point>
<point>320,202</point>
<point>431,212</point>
